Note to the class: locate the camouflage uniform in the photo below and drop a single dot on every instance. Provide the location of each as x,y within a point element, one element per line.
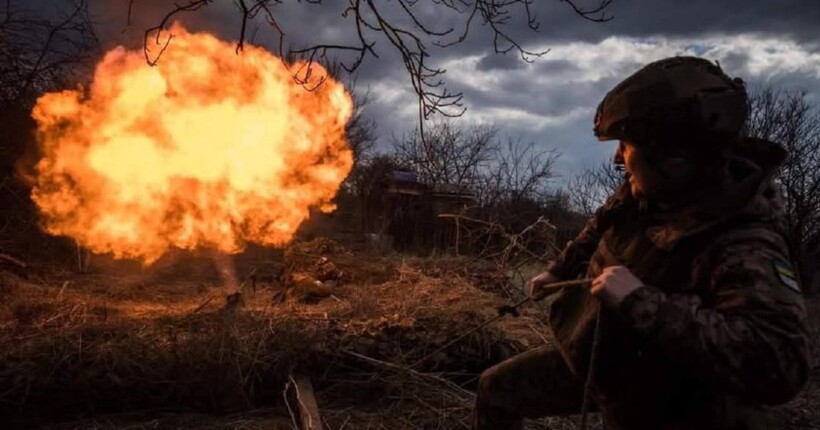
<point>717,331</point>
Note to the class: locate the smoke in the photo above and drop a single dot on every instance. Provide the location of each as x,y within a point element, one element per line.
<point>227,272</point>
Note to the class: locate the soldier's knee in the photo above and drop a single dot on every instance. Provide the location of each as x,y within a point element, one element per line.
<point>489,382</point>
<point>493,409</point>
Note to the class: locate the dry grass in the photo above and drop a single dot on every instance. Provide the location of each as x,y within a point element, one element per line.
<point>75,348</point>
<point>134,348</point>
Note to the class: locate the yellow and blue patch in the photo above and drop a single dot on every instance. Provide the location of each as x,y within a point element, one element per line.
<point>786,274</point>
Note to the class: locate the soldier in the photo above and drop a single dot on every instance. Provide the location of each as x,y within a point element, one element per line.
<point>700,314</point>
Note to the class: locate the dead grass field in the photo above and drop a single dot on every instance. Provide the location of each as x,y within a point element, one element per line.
<point>128,347</point>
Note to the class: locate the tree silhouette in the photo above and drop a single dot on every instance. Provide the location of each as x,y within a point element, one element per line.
<point>400,23</point>
<point>789,118</point>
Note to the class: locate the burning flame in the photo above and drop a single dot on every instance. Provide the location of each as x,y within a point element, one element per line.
<point>206,149</point>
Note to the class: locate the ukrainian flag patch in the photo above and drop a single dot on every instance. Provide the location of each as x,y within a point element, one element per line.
<point>786,274</point>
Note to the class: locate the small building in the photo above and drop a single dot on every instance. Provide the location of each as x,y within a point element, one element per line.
<point>412,211</point>
<point>450,198</point>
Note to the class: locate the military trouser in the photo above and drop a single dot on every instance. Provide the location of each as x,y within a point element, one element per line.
<point>533,384</point>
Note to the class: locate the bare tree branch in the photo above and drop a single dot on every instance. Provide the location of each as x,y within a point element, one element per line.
<point>589,190</point>
<point>38,53</point>
<point>453,156</point>
<point>508,250</point>
<point>788,118</point>
<point>596,14</point>
<point>156,31</point>
<point>520,171</point>
<point>373,20</point>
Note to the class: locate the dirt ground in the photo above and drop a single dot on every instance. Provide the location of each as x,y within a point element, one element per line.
<point>123,346</point>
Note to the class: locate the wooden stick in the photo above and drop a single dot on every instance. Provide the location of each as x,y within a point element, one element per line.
<point>306,400</point>
<point>549,289</point>
<point>9,259</point>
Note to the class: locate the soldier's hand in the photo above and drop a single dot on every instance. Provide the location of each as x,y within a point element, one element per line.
<point>534,287</point>
<point>614,284</point>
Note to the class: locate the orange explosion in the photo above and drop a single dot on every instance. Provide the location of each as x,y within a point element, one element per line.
<point>206,149</point>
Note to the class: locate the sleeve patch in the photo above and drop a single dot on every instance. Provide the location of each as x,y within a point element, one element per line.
<point>786,274</point>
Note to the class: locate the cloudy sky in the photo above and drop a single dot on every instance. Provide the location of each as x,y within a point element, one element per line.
<point>550,101</point>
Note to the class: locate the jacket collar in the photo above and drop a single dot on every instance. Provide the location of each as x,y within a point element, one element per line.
<point>747,191</point>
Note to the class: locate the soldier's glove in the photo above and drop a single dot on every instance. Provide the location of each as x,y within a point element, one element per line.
<point>534,287</point>
<point>614,284</point>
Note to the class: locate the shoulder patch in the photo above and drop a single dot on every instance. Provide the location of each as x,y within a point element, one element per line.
<point>786,274</point>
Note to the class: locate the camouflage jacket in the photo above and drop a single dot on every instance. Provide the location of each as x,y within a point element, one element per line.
<point>717,331</point>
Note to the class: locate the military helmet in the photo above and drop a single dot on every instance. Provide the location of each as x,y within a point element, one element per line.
<point>673,97</point>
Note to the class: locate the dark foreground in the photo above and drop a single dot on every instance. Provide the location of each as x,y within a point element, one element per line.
<point>127,347</point>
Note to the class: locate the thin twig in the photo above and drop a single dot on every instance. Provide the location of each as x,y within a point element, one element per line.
<point>410,371</point>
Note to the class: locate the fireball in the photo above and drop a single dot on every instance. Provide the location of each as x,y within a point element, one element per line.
<point>207,149</point>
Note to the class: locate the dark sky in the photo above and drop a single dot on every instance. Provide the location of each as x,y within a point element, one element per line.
<point>550,101</point>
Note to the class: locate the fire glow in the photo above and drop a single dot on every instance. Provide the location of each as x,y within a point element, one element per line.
<point>206,149</point>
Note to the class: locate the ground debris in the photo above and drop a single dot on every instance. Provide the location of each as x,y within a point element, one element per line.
<point>327,260</point>
<point>9,263</point>
<point>111,344</point>
<point>112,351</point>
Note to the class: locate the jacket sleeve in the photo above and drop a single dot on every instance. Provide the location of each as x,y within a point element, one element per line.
<point>749,333</point>
<point>571,262</point>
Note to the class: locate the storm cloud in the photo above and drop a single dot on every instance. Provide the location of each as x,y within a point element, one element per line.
<point>550,100</point>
